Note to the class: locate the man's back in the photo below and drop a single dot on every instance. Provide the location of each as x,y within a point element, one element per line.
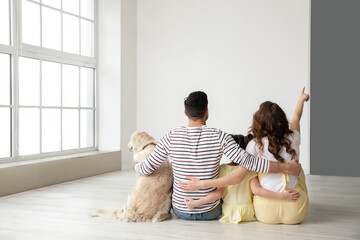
<point>196,152</point>
<point>193,152</point>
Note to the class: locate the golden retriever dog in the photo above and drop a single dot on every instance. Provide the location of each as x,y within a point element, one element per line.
<point>150,198</point>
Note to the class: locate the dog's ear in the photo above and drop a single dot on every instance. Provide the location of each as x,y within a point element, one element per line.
<point>135,141</point>
<point>139,140</point>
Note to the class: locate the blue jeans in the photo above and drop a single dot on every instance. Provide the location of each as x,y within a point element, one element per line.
<point>211,215</point>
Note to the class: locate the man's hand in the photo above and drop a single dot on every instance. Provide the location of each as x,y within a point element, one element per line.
<point>192,185</point>
<point>293,168</point>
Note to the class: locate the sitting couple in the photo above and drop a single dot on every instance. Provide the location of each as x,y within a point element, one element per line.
<point>195,152</point>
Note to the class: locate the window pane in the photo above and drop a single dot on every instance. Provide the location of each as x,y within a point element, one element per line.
<point>70,128</point>
<point>70,34</point>
<point>52,3</point>
<point>4,79</point>
<point>51,84</point>
<point>51,28</point>
<point>71,6</point>
<point>87,38</point>
<point>87,87</point>
<point>29,81</point>
<point>87,128</point>
<point>30,23</point>
<point>5,139</point>
<point>70,86</point>
<point>4,22</point>
<point>29,131</point>
<point>51,138</point>
<point>87,8</point>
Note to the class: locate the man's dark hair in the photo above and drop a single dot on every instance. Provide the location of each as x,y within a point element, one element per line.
<point>196,105</point>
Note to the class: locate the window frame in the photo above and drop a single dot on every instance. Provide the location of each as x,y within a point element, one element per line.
<point>17,49</point>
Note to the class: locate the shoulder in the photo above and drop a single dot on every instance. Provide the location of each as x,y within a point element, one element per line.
<point>252,174</point>
<point>212,130</point>
<point>222,170</point>
<point>222,134</point>
<point>296,133</point>
<point>226,169</point>
<point>251,144</point>
<point>296,136</point>
<point>178,130</point>
<point>169,134</point>
<point>251,147</point>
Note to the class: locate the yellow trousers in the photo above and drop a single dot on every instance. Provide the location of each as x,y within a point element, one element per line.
<point>270,210</point>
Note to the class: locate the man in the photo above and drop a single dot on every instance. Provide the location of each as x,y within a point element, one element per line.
<point>195,151</point>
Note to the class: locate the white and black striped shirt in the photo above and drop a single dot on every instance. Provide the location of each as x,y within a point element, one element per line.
<point>196,152</point>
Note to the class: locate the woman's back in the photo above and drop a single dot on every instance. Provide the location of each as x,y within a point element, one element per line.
<point>273,181</point>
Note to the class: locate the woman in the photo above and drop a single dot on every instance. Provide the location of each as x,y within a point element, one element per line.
<point>274,140</point>
<point>279,198</point>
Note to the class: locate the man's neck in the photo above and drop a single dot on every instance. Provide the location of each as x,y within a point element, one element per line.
<point>196,123</point>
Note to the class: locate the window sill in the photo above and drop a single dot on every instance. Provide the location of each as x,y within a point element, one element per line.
<point>26,161</point>
<point>25,175</point>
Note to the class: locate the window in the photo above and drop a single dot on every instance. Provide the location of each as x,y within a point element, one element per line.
<point>5,106</point>
<point>5,81</point>
<point>5,22</point>
<point>47,77</point>
<point>66,25</point>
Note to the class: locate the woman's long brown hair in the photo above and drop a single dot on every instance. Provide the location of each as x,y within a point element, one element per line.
<point>270,121</point>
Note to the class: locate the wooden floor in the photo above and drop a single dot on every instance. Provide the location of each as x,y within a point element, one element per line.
<point>62,212</point>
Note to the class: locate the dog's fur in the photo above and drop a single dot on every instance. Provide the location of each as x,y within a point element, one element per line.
<point>150,198</point>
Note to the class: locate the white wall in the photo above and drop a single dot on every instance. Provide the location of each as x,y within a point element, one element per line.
<point>117,76</point>
<point>109,75</point>
<point>128,78</point>
<point>240,52</point>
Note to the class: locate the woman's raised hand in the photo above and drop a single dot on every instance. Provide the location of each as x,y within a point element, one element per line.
<point>304,96</point>
<point>192,185</point>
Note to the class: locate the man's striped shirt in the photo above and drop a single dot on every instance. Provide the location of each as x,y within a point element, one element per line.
<point>196,152</point>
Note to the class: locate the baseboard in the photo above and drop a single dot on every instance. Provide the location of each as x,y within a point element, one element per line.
<point>19,177</point>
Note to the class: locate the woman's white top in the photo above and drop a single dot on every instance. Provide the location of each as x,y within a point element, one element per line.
<point>273,181</point>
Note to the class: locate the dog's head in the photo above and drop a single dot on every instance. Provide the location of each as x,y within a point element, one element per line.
<point>139,140</point>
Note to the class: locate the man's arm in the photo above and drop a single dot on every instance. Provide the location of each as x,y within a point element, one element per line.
<point>292,168</point>
<point>156,158</point>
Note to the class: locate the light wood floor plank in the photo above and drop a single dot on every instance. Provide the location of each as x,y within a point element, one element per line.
<point>62,212</point>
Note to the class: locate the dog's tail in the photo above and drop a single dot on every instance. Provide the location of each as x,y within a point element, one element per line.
<point>109,213</point>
